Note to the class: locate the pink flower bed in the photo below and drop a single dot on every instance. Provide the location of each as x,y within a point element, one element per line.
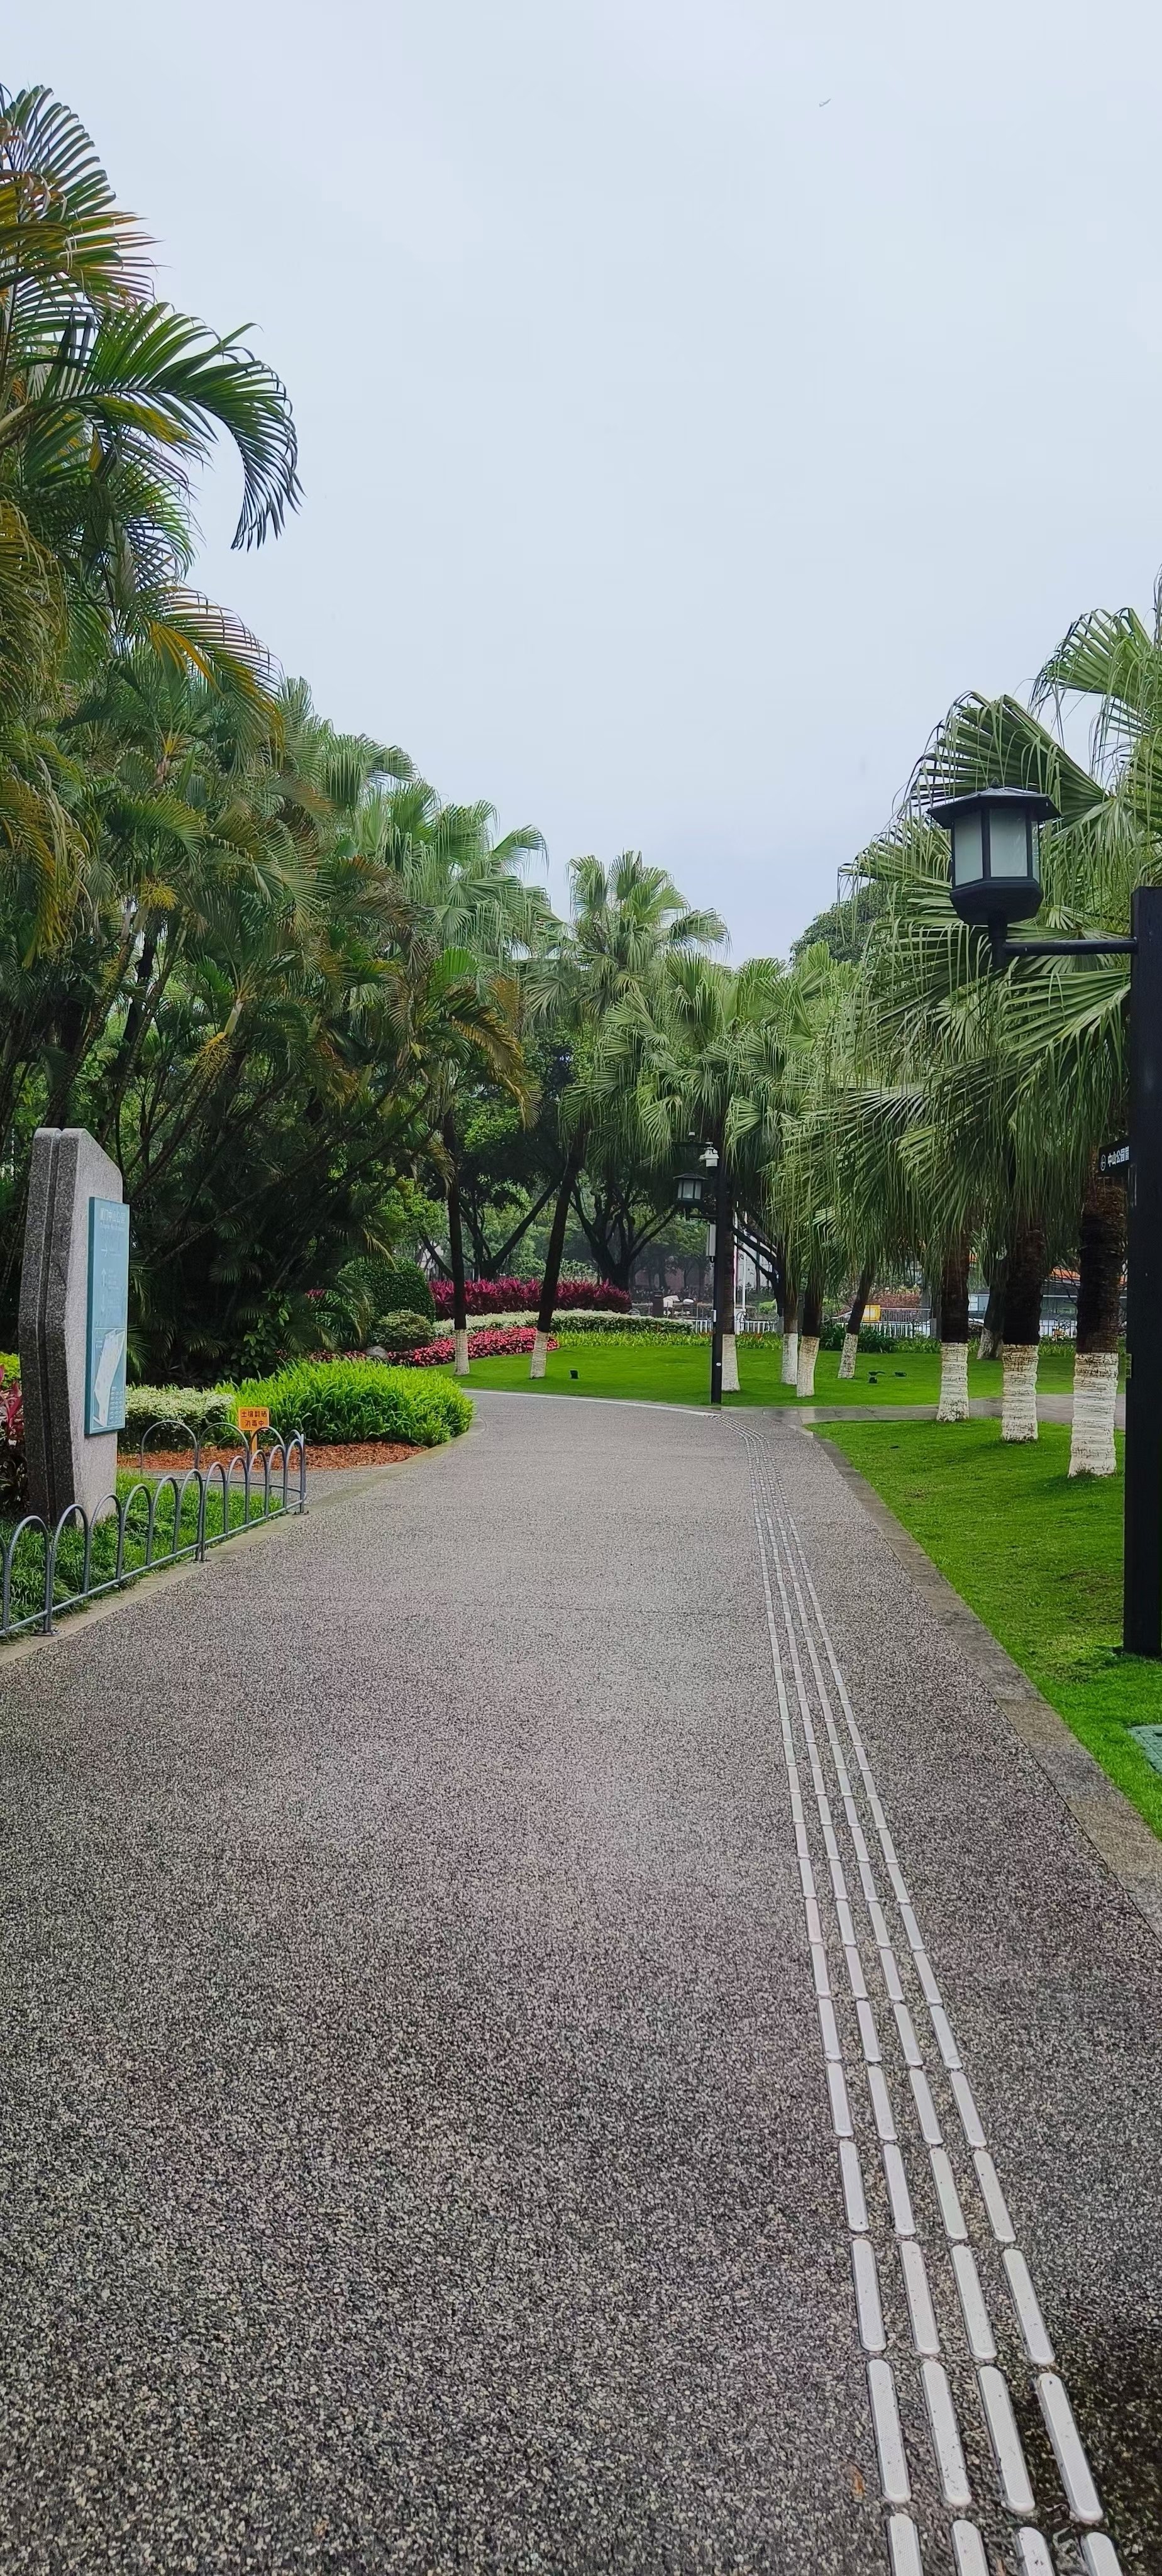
<point>11,1439</point>
<point>508,1296</point>
<point>484,1345</point>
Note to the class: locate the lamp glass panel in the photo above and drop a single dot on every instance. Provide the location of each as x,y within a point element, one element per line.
<point>967,855</point>
<point>1008,848</point>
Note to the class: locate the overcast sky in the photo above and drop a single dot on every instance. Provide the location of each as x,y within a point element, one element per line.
<point>692,398</point>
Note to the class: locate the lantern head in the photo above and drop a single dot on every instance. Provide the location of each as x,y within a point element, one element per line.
<point>995,868</point>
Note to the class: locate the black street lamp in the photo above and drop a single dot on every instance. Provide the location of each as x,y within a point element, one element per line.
<point>994,882</point>
<point>702,1182</point>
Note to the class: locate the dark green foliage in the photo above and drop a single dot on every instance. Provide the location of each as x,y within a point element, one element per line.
<point>872,1337</point>
<point>843,928</point>
<point>401,1289</point>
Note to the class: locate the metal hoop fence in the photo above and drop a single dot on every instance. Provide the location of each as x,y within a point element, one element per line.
<point>184,1514</point>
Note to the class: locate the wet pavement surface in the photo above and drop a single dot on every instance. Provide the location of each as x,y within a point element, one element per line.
<point>418,2125</point>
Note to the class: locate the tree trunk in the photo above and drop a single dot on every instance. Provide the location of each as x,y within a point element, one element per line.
<point>552,1276</point>
<point>456,1252</point>
<point>1102,1255</point>
<point>854,1320</point>
<point>993,1328</point>
<point>1021,1348</point>
<point>953,1405</point>
<point>790,1368</point>
<point>809,1338</point>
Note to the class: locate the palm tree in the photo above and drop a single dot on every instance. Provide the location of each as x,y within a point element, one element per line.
<point>1012,1081</point>
<point>626,923</point>
<point>470,889</point>
<point>699,1056</point>
<point>108,401</point>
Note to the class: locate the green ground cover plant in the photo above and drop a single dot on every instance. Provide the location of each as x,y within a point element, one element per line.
<point>1039,1558</point>
<point>27,1591</point>
<point>333,1401</point>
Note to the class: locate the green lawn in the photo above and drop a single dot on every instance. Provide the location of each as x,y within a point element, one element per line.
<point>679,1373</point>
<point>1040,1561</point>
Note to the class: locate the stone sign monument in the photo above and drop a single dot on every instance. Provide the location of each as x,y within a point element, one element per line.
<point>74,1317</point>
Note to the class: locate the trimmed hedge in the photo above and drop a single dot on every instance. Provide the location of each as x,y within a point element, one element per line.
<point>209,1411</point>
<point>626,1328</point>
<point>350,1400</point>
<point>629,1333</point>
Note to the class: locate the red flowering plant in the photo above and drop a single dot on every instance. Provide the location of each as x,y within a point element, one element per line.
<point>13,1473</point>
<point>483,1345</point>
<point>514,1296</point>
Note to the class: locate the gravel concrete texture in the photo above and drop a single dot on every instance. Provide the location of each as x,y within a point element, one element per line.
<point>413,2121</point>
<point>1049,1971</point>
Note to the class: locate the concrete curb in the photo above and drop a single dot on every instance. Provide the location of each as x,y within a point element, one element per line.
<point>1120,1836</point>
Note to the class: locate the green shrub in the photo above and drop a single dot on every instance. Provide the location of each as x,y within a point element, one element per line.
<point>402,1332</point>
<point>349,1400</point>
<point>403,1289</point>
<point>872,1337</point>
<point>209,1411</point>
<point>9,1364</point>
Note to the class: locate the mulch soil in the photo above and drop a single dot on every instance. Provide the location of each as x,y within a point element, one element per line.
<point>349,1453</point>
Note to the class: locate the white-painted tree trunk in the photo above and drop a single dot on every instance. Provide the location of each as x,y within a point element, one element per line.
<point>848,1354</point>
<point>1019,1390</point>
<point>988,1346</point>
<point>805,1372</point>
<point>540,1354</point>
<point>1095,1395</point>
<point>790,1358</point>
<point>953,1405</point>
<point>461,1367</point>
<point>729,1364</point>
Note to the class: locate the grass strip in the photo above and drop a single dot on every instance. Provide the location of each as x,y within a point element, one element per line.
<point>27,1594</point>
<point>1039,1559</point>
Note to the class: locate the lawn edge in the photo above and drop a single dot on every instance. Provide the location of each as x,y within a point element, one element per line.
<point>1120,1835</point>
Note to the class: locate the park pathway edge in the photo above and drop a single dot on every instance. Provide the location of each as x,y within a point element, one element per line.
<point>1119,1835</point>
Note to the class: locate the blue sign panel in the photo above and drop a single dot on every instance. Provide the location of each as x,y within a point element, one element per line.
<point>108,1315</point>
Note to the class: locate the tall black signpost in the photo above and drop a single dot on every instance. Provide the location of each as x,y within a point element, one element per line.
<point>995,882</point>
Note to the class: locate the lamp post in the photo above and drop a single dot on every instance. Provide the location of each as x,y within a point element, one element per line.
<point>695,1183</point>
<point>994,882</point>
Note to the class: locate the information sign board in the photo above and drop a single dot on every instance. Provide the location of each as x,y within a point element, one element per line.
<point>108,1316</point>
<point>1114,1159</point>
<point>254,1417</point>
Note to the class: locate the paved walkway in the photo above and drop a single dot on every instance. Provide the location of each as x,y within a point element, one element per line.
<point>552,2026</point>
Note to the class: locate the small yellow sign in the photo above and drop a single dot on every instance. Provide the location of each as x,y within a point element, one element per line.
<point>254,1417</point>
<point>871,1314</point>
